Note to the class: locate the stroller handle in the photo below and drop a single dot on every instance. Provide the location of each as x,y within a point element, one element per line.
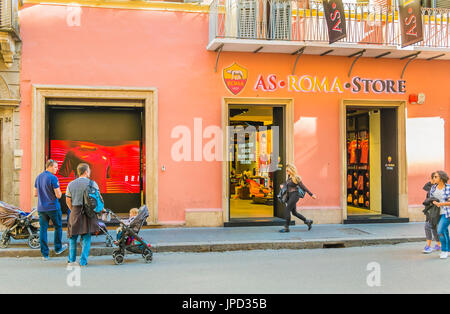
<point>30,214</point>
<point>108,211</point>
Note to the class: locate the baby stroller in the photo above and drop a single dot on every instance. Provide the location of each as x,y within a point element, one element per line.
<point>103,230</point>
<point>19,225</point>
<point>128,239</point>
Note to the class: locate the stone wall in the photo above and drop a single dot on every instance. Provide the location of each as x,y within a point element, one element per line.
<point>10,133</point>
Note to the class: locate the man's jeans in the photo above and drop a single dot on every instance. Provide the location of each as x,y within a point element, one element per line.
<point>86,246</point>
<point>444,234</point>
<point>44,217</point>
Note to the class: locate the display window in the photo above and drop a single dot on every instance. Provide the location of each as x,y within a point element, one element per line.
<point>110,141</point>
<point>114,166</point>
<point>358,163</point>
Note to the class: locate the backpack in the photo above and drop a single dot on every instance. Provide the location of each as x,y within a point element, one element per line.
<point>92,201</point>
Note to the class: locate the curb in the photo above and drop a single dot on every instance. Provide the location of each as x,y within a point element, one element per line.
<point>231,246</point>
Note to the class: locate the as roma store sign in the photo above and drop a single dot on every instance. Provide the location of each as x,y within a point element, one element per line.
<point>235,78</point>
<point>316,84</point>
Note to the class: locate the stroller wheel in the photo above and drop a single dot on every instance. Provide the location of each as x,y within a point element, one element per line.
<point>148,256</point>
<point>5,240</point>
<point>34,241</point>
<point>118,259</point>
<point>116,252</point>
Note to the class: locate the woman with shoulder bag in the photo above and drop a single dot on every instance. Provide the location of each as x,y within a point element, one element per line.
<point>441,191</point>
<point>293,183</point>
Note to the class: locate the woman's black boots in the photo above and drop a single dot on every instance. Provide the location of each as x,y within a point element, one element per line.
<point>309,224</point>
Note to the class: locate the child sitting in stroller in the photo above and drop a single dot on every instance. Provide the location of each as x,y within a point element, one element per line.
<point>133,213</point>
<point>128,239</point>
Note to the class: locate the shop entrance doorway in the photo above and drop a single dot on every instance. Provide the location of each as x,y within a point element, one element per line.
<point>374,162</point>
<point>256,159</point>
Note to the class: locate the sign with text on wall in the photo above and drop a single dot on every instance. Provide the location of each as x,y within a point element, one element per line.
<point>317,84</point>
<point>235,78</point>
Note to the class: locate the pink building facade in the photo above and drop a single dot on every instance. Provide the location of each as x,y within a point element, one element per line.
<point>79,57</point>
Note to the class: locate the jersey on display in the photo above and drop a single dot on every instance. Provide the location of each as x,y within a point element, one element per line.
<point>352,147</point>
<point>115,168</point>
<point>98,159</point>
<point>364,151</point>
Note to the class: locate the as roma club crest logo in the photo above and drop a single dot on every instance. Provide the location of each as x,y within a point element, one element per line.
<point>235,78</point>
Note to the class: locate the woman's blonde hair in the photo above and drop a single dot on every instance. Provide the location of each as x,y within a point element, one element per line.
<point>293,170</point>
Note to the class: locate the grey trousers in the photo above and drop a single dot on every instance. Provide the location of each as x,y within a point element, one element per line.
<point>431,232</point>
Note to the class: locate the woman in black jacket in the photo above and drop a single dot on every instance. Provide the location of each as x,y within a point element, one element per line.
<point>431,225</point>
<point>293,183</point>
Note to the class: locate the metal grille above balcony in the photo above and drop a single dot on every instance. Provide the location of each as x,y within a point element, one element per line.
<point>285,26</point>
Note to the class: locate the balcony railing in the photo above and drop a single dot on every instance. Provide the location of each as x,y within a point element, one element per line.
<point>9,15</point>
<point>303,21</point>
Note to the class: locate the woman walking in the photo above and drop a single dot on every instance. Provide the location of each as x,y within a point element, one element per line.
<point>441,191</point>
<point>292,184</point>
<point>432,218</point>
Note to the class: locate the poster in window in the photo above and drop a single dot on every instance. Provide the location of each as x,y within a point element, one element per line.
<point>115,165</point>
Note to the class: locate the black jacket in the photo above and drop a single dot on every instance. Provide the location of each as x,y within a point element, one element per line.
<point>431,211</point>
<point>427,188</point>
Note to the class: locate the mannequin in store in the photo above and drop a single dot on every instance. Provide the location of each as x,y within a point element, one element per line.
<point>264,156</point>
<point>293,183</point>
<point>352,147</point>
<point>364,146</point>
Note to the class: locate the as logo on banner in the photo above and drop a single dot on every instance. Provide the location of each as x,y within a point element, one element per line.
<point>235,78</point>
<point>335,17</point>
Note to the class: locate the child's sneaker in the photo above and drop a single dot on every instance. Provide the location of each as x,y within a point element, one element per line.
<point>427,250</point>
<point>444,255</point>
<point>437,248</point>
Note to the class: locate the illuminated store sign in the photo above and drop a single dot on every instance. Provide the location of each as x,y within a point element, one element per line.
<point>235,78</point>
<point>315,84</point>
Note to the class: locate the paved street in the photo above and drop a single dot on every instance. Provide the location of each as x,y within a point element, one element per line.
<point>403,269</point>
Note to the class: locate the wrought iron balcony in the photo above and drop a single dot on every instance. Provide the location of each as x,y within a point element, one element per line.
<point>285,26</point>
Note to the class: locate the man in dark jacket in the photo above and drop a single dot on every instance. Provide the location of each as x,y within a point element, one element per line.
<point>80,224</point>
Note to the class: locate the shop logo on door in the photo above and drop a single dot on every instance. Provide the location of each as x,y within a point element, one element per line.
<point>235,78</point>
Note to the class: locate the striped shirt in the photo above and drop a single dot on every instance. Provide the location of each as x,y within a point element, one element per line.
<point>445,210</point>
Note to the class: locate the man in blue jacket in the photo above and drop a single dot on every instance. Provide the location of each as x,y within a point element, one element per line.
<point>47,190</point>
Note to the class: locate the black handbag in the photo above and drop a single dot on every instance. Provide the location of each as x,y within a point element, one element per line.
<point>283,195</point>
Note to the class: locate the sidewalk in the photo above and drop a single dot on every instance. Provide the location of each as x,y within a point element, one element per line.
<point>251,238</point>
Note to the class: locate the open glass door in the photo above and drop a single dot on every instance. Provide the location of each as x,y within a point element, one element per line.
<point>255,157</point>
